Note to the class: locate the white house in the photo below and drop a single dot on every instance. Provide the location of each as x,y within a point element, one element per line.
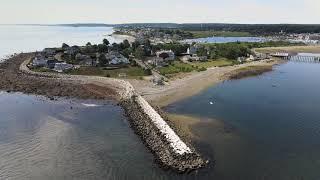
<point>166,55</point>
<point>116,58</point>
<point>61,67</point>
<point>39,61</point>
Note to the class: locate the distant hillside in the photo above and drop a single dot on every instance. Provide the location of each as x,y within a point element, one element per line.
<point>251,28</point>
<point>86,25</point>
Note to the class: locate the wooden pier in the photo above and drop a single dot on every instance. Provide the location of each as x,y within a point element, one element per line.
<point>296,57</point>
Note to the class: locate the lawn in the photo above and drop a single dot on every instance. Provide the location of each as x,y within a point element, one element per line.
<point>204,34</point>
<point>130,72</point>
<point>176,67</point>
<point>212,63</point>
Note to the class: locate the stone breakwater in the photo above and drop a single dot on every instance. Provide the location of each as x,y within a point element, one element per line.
<point>169,150</point>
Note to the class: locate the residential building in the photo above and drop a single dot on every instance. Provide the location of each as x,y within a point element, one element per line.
<point>116,58</point>
<point>166,55</point>
<point>39,61</point>
<point>61,67</point>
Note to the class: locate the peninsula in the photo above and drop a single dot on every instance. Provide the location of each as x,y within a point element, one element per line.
<point>135,74</point>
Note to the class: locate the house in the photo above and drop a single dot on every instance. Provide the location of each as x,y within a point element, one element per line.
<point>51,62</point>
<point>49,52</point>
<point>194,58</point>
<point>116,58</point>
<point>166,55</point>
<point>72,51</point>
<point>158,62</point>
<point>39,61</point>
<point>192,50</point>
<point>85,60</point>
<point>61,67</point>
<point>250,58</point>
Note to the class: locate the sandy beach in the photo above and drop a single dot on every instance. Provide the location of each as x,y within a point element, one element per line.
<point>131,39</point>
<point>189,84</point>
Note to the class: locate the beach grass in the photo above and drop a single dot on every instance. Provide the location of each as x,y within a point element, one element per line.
<point>292,49</point>
<point>214,63</point>
<point>131,72</point>
<point>177,67</point>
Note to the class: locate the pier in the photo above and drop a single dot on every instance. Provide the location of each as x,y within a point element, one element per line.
<point>297,57</point>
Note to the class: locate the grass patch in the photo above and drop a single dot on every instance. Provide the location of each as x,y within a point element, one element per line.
<point>204,34</point>
<point>177,67</point>
<point>212,63</point>
<point>250,71</point>
<point>41,69</point>
<point>133,72</point>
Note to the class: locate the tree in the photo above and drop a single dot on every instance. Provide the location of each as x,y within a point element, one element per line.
<point>106,42</point>
<point>88,44</point>
<point>102,60</point>
<point>126,44</point>
<point>139,53</point>
<point>65,46</point>
<point>102,48</point>
<point>202,51</point>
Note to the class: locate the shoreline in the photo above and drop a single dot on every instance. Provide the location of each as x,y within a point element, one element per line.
<point>123,37</point>
<point>193,83</point>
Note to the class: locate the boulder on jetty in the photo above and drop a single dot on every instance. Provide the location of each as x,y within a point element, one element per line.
<point>169,150</point>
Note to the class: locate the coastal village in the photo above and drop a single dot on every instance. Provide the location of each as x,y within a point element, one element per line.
<point>140,59</point>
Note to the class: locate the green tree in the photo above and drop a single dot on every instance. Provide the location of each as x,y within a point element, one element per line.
<point>126,44</point>
<point>106,42</point>
<point>88,44</point>
<point>102,48</point>
<point>102,60</point>
<point>202,51</point>
<point>139,53</point>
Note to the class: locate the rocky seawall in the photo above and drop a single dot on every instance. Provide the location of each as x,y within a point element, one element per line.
<point>169,150</point>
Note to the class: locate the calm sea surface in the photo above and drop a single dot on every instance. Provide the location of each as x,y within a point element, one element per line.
<point>272,124</point>
<point>16,39</point>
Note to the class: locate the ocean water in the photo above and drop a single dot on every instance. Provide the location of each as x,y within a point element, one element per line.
<point>271,124</point>
<point>26,38</point>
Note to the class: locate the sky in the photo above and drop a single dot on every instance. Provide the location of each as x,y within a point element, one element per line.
<point>160,11</point>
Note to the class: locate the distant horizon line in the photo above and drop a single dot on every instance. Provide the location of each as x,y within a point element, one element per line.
<point>142,23</point>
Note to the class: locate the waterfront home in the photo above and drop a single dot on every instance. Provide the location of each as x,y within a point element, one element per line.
<point>85,60</point>
<point>39,61</point>
<point>72,51</point>
<point>49,52</point>
<point>158,62</point>
<point>194,58</point>
<point>51,62</point>
<point>116,58</point>
<point>166,55</point>
<point>192,50</point>
<point>62,67</point>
